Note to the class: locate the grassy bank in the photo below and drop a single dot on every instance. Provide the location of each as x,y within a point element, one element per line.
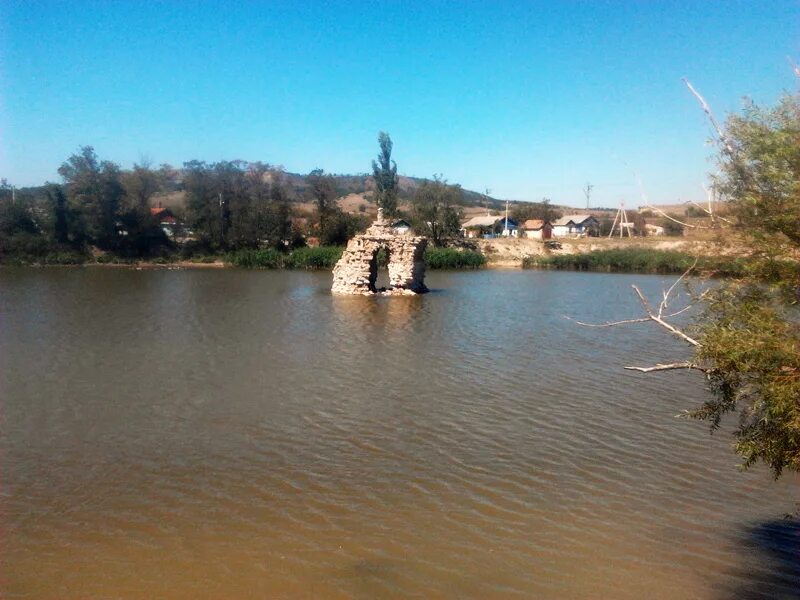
<point>49,259</point>
<point>637,260</point>
<point>449,258</point>
<point>324,257</point>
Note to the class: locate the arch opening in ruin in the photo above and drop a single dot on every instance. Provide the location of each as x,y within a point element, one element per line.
<point>379,274</point>
<point>357,270</point>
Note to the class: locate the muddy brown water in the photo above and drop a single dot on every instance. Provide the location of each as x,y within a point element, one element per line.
<point>230,434</point>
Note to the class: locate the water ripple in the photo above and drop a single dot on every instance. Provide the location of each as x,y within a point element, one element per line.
<point>231,434</point>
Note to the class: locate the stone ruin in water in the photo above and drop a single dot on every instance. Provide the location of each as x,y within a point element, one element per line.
<point>357,270</point>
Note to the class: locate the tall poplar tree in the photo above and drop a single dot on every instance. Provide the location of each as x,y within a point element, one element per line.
<point>384,172</point>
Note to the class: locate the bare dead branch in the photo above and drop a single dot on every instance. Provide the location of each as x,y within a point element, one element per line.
<point>675,331</point>
<point>707,109</point>
<point>667,367</point>
<point>657,318</point>
<point>667,294</point>
<point>678,312</point>
<point>710,194</point>
<point>647,204</point>
<point>710,210</point>
<point>671,218</point>
<point>643,300</point>
<point>609,323</point>
<point>714,216</point>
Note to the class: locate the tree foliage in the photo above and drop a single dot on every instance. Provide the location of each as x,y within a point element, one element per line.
<point>543,210</point>
<point>234,204</point>
<point>750,333</point>
<point>334,225</point>
<point>58,206</point>
<point>752,343</point>
<point>384,172</point>
<point>436,211</point>
<point>672,226</point>
<point>94,191</point>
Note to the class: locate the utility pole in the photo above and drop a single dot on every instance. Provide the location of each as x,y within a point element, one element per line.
<point>624,224</point>
<point>221,220</point>
<point>587,191</point>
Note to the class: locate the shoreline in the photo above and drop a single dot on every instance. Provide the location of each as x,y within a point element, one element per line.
<point>138,266</point>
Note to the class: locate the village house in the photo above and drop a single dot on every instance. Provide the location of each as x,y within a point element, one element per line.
<point>577,225</point>
<point>538,229</point>
<point>165,216</point>
<point>167,220</point>
<point>401,227</point>
<point>654,229</point>
<point>490,226</point>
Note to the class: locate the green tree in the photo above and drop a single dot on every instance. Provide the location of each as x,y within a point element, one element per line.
<point>94,191</point>
<point>60,211</point>
<point>435,209</point>
<point>141,183</point>
<point>234,204</point>
<point>322,191</point>
<point>523,211</point>
<point>342,226</point>
<point>253,226</point>
<point>672,226</point>
<point>278,230</point>
<point>749,337</point>
<point>747,340</point>
<point>20,232</point>
<point>384,172</point>
<point>202,203</point>
<point>143,235</point>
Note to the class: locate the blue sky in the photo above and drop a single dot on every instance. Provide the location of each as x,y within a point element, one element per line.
<point>527,99</point>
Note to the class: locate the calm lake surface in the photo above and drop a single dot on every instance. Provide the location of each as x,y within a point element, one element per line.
<point>229,434</point>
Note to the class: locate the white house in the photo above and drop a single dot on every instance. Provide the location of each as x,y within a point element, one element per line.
<point>490,226</point>
<point>577,225</point>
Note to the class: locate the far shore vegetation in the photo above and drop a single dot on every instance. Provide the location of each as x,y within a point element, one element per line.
<point>244,213</point>
<point>305,258</point>
<point>639,260</point>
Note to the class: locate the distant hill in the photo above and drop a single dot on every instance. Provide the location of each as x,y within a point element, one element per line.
<point>354,188</point>
<point>363,184</point>
<point>353,192</point>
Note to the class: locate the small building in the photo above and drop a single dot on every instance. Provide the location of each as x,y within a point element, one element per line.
<point>167,220</point>
<point>490,226</point>
<point>401,226</point>
<point>577,225</point>
<point>538,229</point>
<point>164,215</point>
<point>653,229</point>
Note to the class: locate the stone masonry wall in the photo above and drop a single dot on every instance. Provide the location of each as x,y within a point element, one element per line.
<point>357,270</point>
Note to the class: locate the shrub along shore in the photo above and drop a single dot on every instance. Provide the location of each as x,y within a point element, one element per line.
<point>650,260</point>
<point>614,260</point>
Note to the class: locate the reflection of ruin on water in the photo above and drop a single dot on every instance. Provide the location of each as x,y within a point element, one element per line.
<point>357,270</point>
<point>356,314</point>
